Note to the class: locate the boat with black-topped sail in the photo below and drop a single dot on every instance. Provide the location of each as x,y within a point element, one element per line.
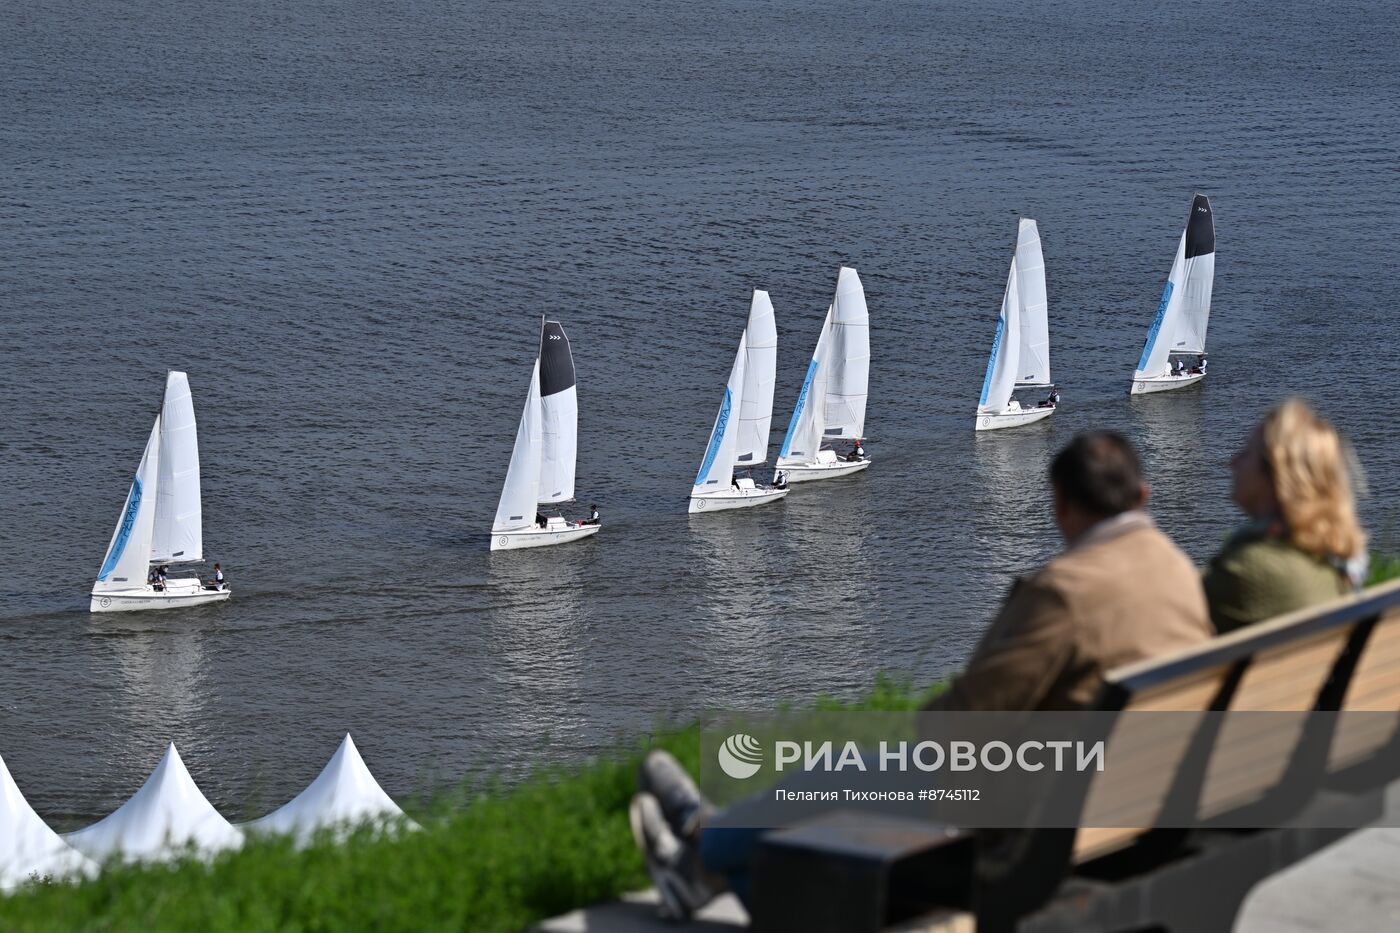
<point>540,478</point>
<point>1174,356</point>
<point>739,438</point>
<point>161,524</point>
<point>1021,348</point>
<point>830,406</point>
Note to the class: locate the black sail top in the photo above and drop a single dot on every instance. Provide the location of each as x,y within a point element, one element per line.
<point>556,360</point>
<point>1200,229</point>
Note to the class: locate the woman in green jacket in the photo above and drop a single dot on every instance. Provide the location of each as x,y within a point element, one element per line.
<point>1302,544</point>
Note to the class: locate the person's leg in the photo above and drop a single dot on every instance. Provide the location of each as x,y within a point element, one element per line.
<point>727,851</point>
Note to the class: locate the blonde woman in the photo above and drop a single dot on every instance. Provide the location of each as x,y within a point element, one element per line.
<point>1302,544</point>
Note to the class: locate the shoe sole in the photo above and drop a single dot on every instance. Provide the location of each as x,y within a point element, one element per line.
<point>675,895</point>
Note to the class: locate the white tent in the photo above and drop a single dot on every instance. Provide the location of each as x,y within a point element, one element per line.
<point>28,848</point>
<point>161,819</point>
<point>343,795</point>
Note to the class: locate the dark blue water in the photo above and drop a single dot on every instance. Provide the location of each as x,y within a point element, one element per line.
<point>344,219</point>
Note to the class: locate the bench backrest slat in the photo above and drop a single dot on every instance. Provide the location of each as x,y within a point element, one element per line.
<point>1374,688</point>
<point>1247,762</point>
<point>1282,665</point>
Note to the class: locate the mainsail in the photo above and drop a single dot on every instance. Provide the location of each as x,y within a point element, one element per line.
<point>804,433</point>
<point>559,406</point>
<point>1184,311</point>
<point>1005,360</point>
<point>717,469</point>
<point>760,373</point>
<point>521,493</point>
<point>178,533</point>
<point>129,552</point>
<point>1199,278</point>
<point>1034,368</point>
<point>847,383</point>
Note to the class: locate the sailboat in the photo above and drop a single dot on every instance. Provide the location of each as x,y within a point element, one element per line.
<point>831,404</point>
<point>740,434</point>
<point>1021,348</point>
<point>162,521</point>
<point>543,462</point>
<point>1175,354</point>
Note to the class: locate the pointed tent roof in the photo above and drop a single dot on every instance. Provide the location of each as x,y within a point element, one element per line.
<point>344,794</point>
<point>28,848</point>
<point>160,820</point>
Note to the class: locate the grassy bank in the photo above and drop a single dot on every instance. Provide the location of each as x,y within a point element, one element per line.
<point>1383,568</point>
<point>498,863</point>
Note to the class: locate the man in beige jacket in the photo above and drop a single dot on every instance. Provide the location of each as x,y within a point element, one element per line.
<point>1119,592</point>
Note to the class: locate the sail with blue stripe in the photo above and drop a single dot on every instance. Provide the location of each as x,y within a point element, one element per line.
<point>717,468</point>
<point>804,433</point>
<point>1179,326</point>
<point>128,557</point>
<point>1000,380</point>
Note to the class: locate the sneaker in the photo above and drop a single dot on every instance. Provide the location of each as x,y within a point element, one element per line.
<point>662,776</point>
<point>672,865</point>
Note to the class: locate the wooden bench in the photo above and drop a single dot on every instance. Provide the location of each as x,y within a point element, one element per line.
<point>1323,771</point>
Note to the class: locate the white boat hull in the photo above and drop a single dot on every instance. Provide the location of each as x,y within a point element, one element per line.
<point>1165,383</point>
<point>809,472</point>
<point>1012,419</point>
<point>732,498</point>
<point>179,593</point>
<point>558,531</point>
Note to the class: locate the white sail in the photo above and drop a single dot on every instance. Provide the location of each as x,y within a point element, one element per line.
<point>559,408</point>
<point>1034,368</point>
<point>760,374</point>
<point>804,433</point>
<point>1005,360</point>
<point>178,533</point>
<point>1184,311</point>
<point>1199,278</point>
<point>521,493</point>
<point>849,354</point>
<point>128,557</point>
<point>717,469</point>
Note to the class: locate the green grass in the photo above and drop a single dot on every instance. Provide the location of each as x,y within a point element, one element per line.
<point>1383,568</point>
<point>497,861</point>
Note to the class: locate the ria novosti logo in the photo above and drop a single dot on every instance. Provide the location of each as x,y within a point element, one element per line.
<point>740,756</point>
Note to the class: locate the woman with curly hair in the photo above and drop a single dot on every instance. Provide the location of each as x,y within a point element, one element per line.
<point>1302,544</point>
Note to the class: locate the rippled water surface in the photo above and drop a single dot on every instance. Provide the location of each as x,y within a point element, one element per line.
<point>343,219</point>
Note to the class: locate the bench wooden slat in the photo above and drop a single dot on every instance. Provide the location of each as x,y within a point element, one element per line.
<point>1374,689</point>
<point>1289,661</point>
<point>1345,654</point>
<point>1192,692</point>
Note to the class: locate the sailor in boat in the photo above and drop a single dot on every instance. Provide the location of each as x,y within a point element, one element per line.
<point>541,519</point>
<point>158,578</point>
<point>218,582</point>
<point>592,518</point>
<point>857,453</point>
<point>1052,400</point>
<point>780,479</point>
<point>1200,367</point>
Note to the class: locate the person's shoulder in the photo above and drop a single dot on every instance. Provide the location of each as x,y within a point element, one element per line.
<point>1271,557</point>
<point>1128,551</point>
